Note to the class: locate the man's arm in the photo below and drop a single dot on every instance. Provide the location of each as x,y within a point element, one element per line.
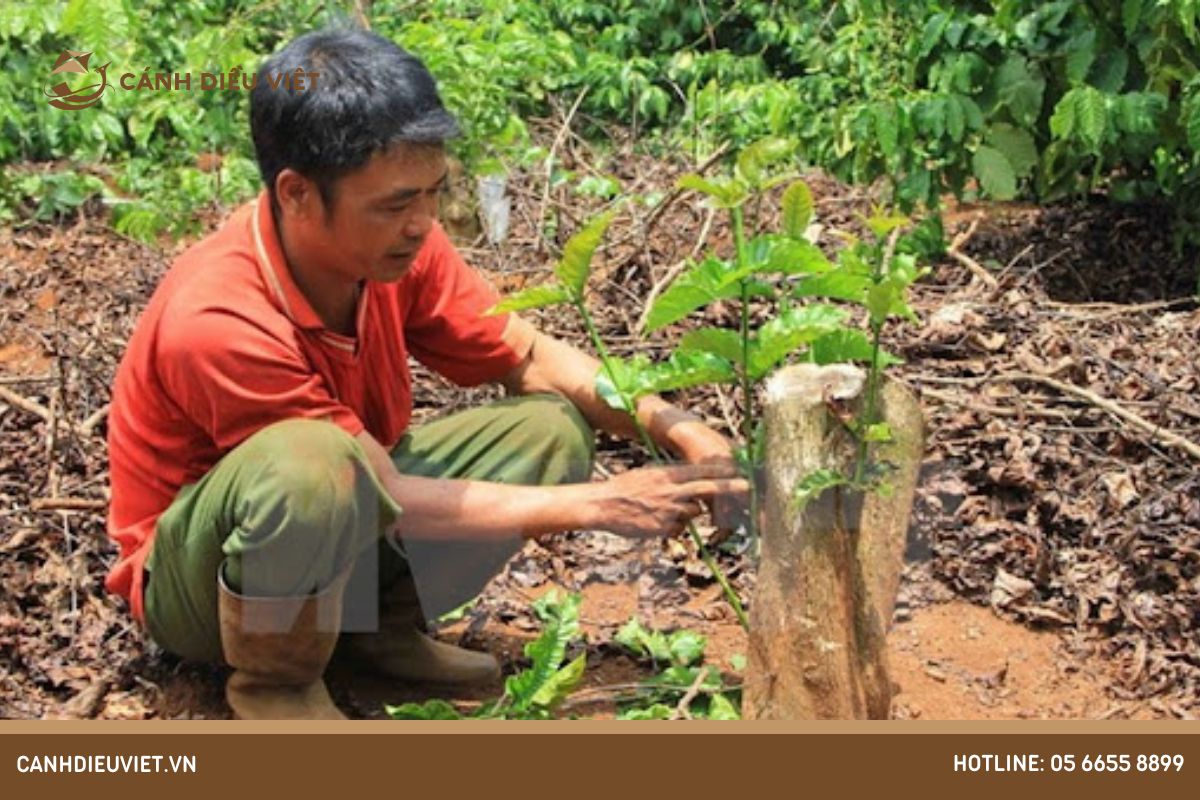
<point>555,366</point>
<point>640,503</point>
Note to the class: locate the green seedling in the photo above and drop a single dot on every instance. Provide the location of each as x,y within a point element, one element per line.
<point>532,693</point>
<point>621,383</point>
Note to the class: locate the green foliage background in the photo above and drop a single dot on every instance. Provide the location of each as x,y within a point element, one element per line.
<point>1001,98</point>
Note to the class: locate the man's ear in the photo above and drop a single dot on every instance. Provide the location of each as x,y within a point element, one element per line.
<point>297,195</point>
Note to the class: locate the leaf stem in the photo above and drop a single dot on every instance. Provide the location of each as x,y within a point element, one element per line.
<point>606,361</point>
<point>872,396</point>
<point>883,264</point>
<point>731,596</point>
<point>739,238</point>
<point>706,556</point>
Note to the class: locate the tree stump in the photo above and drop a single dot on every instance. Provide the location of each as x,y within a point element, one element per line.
<point>830,569</point>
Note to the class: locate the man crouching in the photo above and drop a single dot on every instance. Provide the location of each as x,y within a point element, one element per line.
<point>268,495</point>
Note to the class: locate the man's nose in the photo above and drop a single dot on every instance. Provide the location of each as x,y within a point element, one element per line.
<point>421,220</point>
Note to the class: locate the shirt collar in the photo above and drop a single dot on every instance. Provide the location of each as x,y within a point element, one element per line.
<point>275,272</point>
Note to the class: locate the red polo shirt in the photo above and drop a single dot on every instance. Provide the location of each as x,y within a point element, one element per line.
<point>228,344</point>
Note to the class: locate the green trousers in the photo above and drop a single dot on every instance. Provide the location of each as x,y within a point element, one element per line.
<point>296,504</point>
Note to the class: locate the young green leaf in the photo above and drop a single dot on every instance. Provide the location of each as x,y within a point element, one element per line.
<point>1141,113</point>
<point>1091,116</point>
<point>996,175</point>
<point>1021,89</point>
<point>678,675</point>
<point>561,618</point>
<point>430,709</point>
<point>780,336</point>
<point>549,294</point>
<point>687,647</point>
<point>655,711</point>
<point>1062,121</point>
<point>639,376</point>
<point>726,194</point>
<point>617,389</point>
<point>720,707</point>
<point>882,224</point>
<point>455,614</point>
<point>797,207</point>
<point>814,484</point>
<point>718,341</point>
<point>886,299</point>
<point>840,285</point>
<point>770,182</point>
<point>956,118</point>
<point>752,160</point>
<point>703,185</point>
<point>1017,146</point>
<point>1110,71</point>
<point>780,255</point>
<point>848,344</point>
<point>887,128</point>
<point>1193,124</point>
<point>1081,53</point>
<point>576,261</point>
<point>1131,15</point>
<point>696,287</point>
<point>641,641</point>
<point>878,432</point>
<point>556,688</point>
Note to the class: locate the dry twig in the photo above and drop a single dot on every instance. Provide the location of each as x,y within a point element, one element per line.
<point>996,411</point>
<point>67,504</point>
<point>669,200</point>
<point>17,401</point>
<point>1167,437</point>
<point>681,710</point>
<point>558,140</point>
<point>955,252</point>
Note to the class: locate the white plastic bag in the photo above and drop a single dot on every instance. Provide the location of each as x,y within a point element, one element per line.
<point>494,207</point>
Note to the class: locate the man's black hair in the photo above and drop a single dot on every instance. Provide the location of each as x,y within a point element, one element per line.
<point>370,94</point>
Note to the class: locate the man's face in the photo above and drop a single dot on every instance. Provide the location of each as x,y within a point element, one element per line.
<point>380,214</point>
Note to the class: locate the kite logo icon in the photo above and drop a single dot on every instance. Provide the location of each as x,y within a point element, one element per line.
<point>63,96</point>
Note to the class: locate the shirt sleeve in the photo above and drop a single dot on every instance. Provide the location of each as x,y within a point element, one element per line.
<point>232,377</point>
<point>445,326</point>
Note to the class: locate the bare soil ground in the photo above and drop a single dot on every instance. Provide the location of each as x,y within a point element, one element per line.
<point>1054,560</point>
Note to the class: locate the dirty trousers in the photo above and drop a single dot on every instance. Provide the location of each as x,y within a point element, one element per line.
<point>294,505</point>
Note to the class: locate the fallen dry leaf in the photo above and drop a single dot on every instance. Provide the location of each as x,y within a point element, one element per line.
<point>1120,489</point>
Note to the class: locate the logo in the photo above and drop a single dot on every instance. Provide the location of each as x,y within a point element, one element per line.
<point>85,96</point>
<point>62,95</point>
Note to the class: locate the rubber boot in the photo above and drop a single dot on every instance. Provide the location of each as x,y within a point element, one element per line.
<point>402,650</point>
<point>278,648</point>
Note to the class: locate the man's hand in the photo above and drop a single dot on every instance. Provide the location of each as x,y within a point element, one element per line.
<point>555,366</point>
<point>657,501</point>
<point>697,443</point>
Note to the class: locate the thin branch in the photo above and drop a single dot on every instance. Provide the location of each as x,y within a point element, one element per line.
<point>669,200</point>
<point>17,401</point>
<point>68,504</point>
<point>88,426</point>
<point>657,289</point>
<point>995,411</point>
<point>40,411</point>
<point>558,140</point>
<point>674,271</point>
<point>955,252</point>
<point>1106,310</point>
<point>681,710</point>
<point>631,691</point>
<point>1155,432</point>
